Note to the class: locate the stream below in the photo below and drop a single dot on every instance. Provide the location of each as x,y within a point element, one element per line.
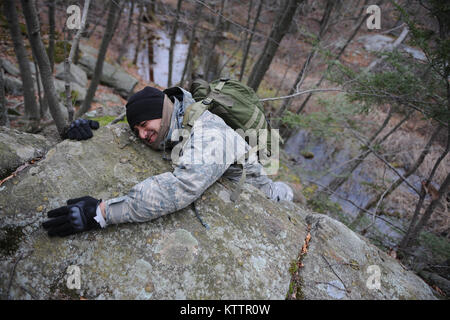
<point>358,189</point>
<point>153,64</point>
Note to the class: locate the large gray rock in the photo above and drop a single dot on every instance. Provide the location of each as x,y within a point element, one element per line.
<point>61,90</point>
<point>379,42</point>
<point>77,74</point>
<point>112,76</point>
<point>10,67</point>
<point>13,86</point>
<point>17,147</point>
<point>245,254</point>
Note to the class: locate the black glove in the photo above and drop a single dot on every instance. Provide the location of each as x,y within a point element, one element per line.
<point>77,216</point>
<point>80,129</point>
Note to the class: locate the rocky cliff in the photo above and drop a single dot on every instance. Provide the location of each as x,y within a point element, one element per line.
<point>246,253</point>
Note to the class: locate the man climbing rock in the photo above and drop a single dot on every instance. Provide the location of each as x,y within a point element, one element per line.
<point>210,150</point>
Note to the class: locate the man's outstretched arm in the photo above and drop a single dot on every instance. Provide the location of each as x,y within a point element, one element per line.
<point>172,191</point>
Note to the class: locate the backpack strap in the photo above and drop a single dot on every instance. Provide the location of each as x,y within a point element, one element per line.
<point>193,112</point>
<point>235,195</point>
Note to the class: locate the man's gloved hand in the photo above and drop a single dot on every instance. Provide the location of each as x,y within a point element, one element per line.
<point>77,216</point>
<point>80,129</point>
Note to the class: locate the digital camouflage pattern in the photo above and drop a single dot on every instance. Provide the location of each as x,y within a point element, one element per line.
<point>212,150</point>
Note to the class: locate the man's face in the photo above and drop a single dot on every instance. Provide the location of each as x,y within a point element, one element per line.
<point>148,130</point>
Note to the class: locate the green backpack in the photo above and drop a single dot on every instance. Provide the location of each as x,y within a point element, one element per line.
<point>240,108</point>
<point>237,104</point>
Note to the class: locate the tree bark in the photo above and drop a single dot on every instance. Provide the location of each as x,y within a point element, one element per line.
<point>198,10</point>
<point>4,121</point>
<point>428,212</point>
<point>124,43</point>
<point>249,42</point>
<point>99,18</point>
<point>334,184</point>
<point>217,29</point>
<point>398,182</point>
<point>31,107</point>
<point>338,56</point>
<point>280,28</point>
<point>51,23</point>
<point>68,59</point>
<point>173,36</point>
<point>38,49</point>
<point>109,32</point>
<point>139,37</point>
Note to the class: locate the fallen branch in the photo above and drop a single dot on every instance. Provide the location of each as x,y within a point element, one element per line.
<point>19,169</point>
<point>300,93</point>
<point>118,119</point>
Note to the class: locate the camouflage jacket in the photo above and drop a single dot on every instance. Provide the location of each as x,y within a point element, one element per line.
<point>210,151</point>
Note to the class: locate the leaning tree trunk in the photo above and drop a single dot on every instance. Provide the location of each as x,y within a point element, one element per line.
<point>279,30</point>
<point>124,44</point>
<point>301,75</point>
<point>97,21</point>
<point>197,10</point>
<point>4,121</point>
<point>38,49</point>
<point>397,183</point>
<point>51,23</point>
<point>31,107</point>
<point>215,39</point>
<point>109,32</point>
<point>335,183</point>
<point>249,42</point>
<point>139,37</point>
<point>444,188</point>
<point>362,19</point>
<point>173,37</point>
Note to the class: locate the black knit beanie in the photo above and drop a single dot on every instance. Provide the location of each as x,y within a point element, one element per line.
<point>146,104</point>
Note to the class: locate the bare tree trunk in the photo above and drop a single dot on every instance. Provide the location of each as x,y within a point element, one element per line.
<point>282,80</point>
<point>280,28</point>
<point>362,19</point>
<point>216,33</point>
<point>124,43</point>
<point>150,11</point>
<point>139,37</point>
<point>151,55</point>
<point>109,32</point>
<point>38,49</point>
<point>4,121</point>
<point>51,22</point>
<point>99,18</point>
<point>413,231</point>
<point>246,35</point>
<point>414,234</point>
<point>301,76</point>
<point>42,108</point>
<point>31,108</point>
<point>198,10</point>
<point>397,183</point>
<point>334,184</point>
<point>173,37</point>
<point>404,243</point>
<point>68,92</point>
<point>249,42</point>
<point>68,59</point>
